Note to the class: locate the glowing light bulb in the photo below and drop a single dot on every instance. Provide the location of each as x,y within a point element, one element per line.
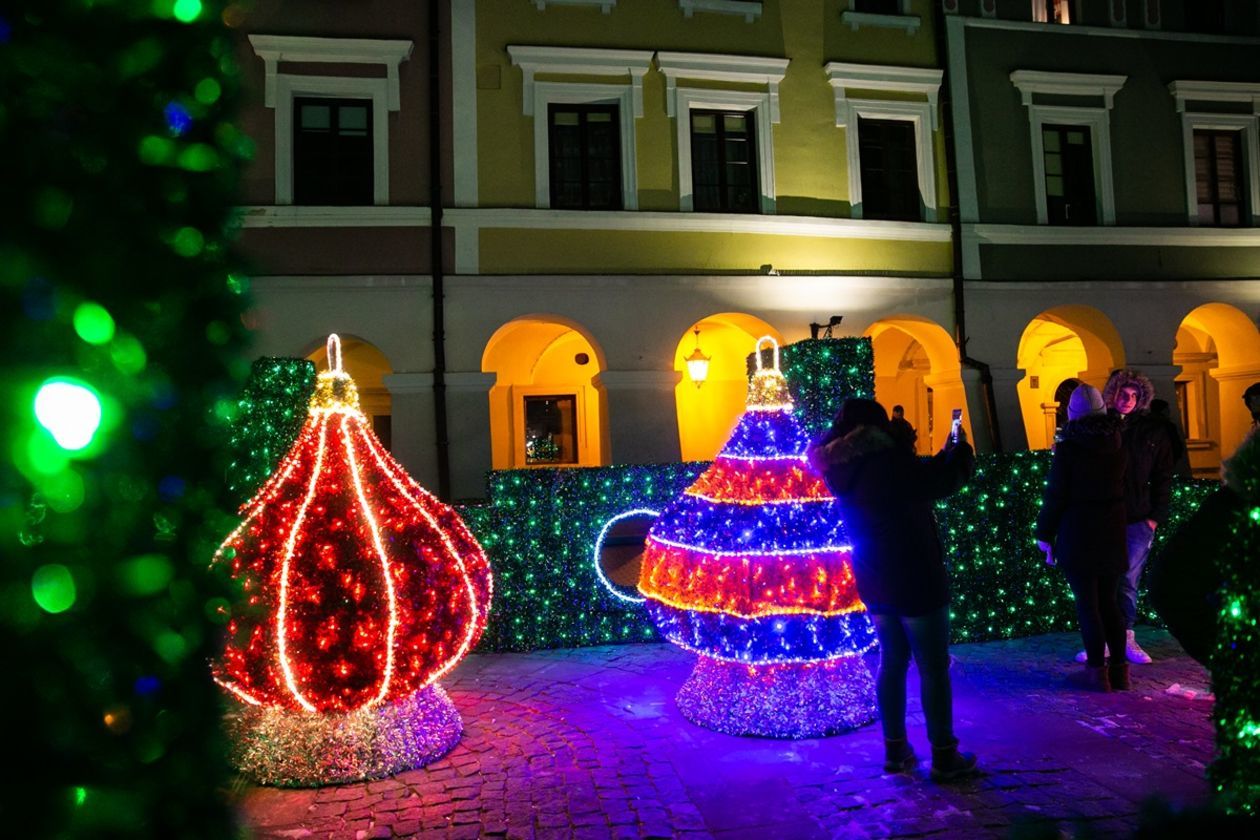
<point>70,411</point>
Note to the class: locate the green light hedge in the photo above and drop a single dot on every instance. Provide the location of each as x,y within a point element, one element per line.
<point>269,415</point>
<point>540,526</point>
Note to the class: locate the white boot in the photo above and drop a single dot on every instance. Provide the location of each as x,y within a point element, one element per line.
<point>1133,651</point>
<point>1084,657</point>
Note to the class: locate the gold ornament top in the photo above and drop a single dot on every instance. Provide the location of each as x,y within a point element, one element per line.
<point>334,389</point>
<point>768,387</point>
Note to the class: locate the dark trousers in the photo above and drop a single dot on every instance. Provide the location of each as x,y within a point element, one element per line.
<point>1098,613</point>
<point>926,638</point>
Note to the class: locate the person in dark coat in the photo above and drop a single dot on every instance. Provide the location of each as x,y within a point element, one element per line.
<point>1081,527</point>
<point>901,430</point>
<point>1147,486</point>
<point>886,494</point>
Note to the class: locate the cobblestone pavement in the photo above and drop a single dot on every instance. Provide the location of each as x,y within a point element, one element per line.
<point>589,744</point>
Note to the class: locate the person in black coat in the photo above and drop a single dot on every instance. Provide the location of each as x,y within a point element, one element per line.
<point>1081,527</point>
<point>886,494</point>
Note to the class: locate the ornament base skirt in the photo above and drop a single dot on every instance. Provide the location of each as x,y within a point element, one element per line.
<point>779,701</point>
<point>299,749</point>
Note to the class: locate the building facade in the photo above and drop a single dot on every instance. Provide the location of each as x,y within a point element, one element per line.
<point>1109,194</point>
<point>622,185</point>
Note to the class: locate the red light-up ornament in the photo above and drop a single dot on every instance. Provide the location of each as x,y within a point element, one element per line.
<point>751,569</point>
<point>358,591</point>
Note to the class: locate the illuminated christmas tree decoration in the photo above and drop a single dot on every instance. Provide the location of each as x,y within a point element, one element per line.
<point>750,568</point>
<point>70,411</point>
<point>93,323</point>
<point>359,590</point>
<point>53,588</point>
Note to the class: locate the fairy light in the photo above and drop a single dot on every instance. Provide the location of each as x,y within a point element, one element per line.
<point>599,551</point>
<point>361,591</point>
<point>751,565</point>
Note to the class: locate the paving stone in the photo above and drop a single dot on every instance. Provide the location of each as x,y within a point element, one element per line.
<point>580,742</point>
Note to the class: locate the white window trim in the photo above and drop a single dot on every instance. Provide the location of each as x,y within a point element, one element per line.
<point>758,104</point>
<point>1243,123</point>
<point>736,69</point>
<point>748,11</point>
<point>605,6</point>
<point>579,61</point>
<point>1098,119</point>
<point>903,20</point>
<point>582,61</point>
<point>331,87</point>
<point>1246,92</point>
<point>281,88</point>
<point>924,116</point>
<point>1099,122</point>
<point>578,93</point>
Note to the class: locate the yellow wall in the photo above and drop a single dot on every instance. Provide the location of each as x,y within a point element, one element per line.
<point>536,357</point>
<point>809,150</point>
<point>707,415</point>
<point>508,251</point>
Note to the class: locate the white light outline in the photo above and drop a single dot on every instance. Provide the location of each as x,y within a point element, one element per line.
<point>380,552</point>
<point>803,457</point>
<point>599,544</point>
<point>775,552</point>
<point>245,696</point>
<point>374,447</point>
<point>760,502</point>
<point>282,652</point>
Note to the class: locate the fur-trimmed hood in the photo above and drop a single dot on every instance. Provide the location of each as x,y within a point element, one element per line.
<point>1129,378</point>
<point>837,458</point>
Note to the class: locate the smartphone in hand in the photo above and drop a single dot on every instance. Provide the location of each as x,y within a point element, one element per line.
<point>955,425</point>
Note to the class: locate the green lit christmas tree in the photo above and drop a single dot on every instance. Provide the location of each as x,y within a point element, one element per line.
<point>121,164</point>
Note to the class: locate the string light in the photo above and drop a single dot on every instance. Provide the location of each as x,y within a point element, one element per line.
<point>359,590</point>
<point>750,567</point>
<point>599,552</point>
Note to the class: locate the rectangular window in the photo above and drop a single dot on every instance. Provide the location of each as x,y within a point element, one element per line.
<point>724,162</point>
<point>890,173</point>
<point>1069,158</point>
<point>551,429</point>
<point>332,151</point>
<point>1218,177</point>
<point>1205,16</point>
<point>1058,11</point>
<point>878,7</point>
<point>585,157</point>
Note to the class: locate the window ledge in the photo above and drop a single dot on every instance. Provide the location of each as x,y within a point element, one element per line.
<point>750,11</point>
<point>1172,237</point>
<point>856,20</point>
<point>299,216</point>
<point>605,6</point>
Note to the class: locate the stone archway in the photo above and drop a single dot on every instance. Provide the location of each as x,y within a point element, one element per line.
<point>916,366</point>
<point>1218,350</point>
<point>368,367</point>
<point>707,414</point>
<point>547,406</point>
<point>1066,342</point>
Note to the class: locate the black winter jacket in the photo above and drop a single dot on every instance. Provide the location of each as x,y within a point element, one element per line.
<point>1082,506</point>
<point>886,494</point>
<point>1148,482</point>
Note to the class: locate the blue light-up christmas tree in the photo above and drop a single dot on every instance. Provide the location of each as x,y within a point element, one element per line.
<point>750,568</point>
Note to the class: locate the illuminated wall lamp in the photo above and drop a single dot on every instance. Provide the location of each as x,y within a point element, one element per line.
<point>698,363</point>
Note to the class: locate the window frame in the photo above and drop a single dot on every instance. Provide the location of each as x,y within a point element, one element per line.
<point>925,82</point>
<point>586,107</point>
<point>754,105</point>
<point>371,128</point>
<point>1206,93</point>
<point>722,162</point>
<point>280,88</point>
<point>1237,135</point>
<point>920,206</point>
<point>1030,83</point>
<point>1093,173</point>
<point>547,94</point>
<point>519,393</point>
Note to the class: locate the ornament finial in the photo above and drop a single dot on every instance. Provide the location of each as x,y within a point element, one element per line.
<point>768,389</point>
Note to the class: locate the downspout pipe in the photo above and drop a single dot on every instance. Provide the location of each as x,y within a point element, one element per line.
<point>436,79</point>
<point>955,225</point>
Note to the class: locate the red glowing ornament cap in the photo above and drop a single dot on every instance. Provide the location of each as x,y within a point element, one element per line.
<point>357,586</point>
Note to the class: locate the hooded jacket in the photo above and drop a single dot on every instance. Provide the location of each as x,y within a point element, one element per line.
<point>1082,506</point>
<point>1149,448</point>
<point>886,494</point>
